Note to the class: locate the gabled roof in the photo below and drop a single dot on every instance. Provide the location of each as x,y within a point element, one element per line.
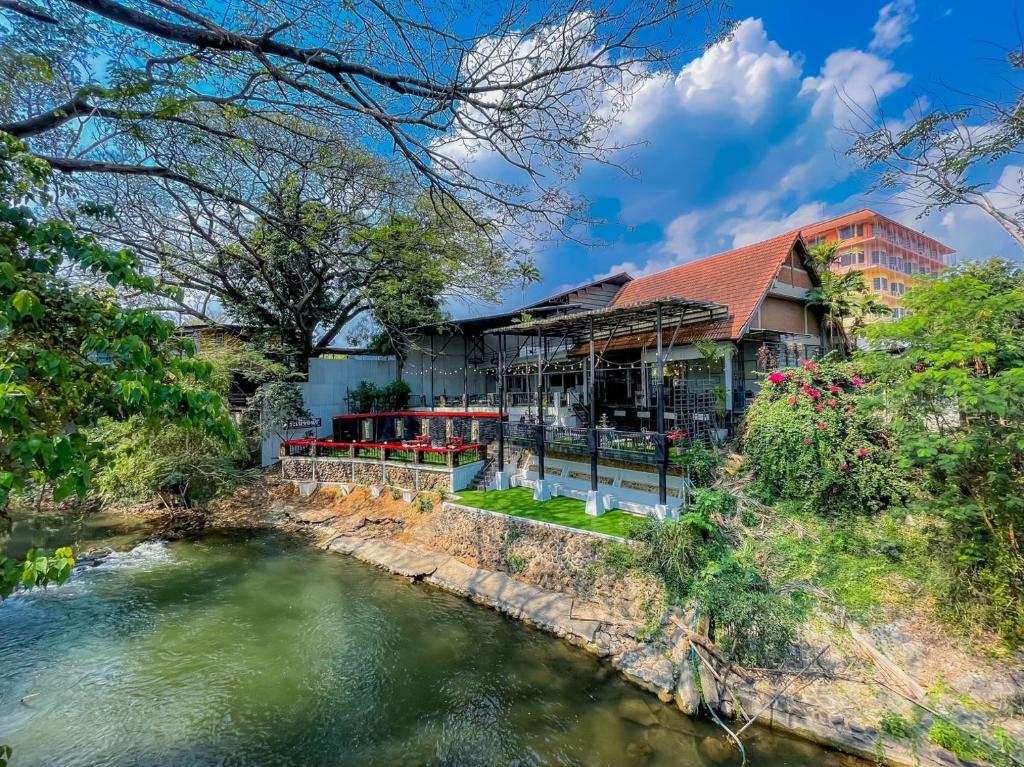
<point>738,278</point>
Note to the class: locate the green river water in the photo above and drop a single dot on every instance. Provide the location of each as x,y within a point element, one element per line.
<point>250,648</point>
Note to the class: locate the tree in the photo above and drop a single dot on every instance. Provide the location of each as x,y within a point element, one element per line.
<point>71,356</point>
<point>945,156</point>
<point>846,299</point>
<point>138,88</point>
<point>953,371</point>
<point>527,274</point>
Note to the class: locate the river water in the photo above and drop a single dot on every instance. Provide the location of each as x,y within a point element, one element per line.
<point>251,648</point>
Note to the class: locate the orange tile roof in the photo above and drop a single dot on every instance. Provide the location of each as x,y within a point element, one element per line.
<point>738,278</point>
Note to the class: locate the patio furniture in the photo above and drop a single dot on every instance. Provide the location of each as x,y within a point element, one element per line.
<point>455,442</point>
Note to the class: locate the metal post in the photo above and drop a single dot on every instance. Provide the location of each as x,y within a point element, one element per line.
<point>465,373</point>
<point>431,372</point>
<point>541,344</point>
<point>592,388</point>
<point>661,445</point>
<point>501,404</point>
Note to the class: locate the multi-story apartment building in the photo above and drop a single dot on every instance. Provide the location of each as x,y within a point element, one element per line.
<point>890,255</point>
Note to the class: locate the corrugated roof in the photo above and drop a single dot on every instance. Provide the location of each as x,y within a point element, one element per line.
<point>738,278</point>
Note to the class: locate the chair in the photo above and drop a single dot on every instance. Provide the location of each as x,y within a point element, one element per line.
<point>455,442</point>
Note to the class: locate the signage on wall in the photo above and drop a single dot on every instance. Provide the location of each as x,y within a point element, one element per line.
<point>303,423</point>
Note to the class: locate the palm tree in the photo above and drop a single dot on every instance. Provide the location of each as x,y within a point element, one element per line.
<point>527,274</point>
<point>848,304</point>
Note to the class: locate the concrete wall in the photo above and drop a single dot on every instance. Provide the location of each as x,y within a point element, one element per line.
<point>326,390</point>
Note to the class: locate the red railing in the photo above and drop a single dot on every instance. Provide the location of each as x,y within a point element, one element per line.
<point>450,455</point>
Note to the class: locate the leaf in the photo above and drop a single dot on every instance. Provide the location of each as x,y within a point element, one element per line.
<point>27,304</point>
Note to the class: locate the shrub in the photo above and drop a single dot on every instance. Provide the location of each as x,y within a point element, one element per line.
<point>954,376</point>
<point>812,437</point>
<point>693,561</point>
<point>702,464</point>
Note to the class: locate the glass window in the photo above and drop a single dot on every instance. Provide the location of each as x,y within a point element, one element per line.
<point>847,232</point>
<point>860,257</point>
<point>877,284</point>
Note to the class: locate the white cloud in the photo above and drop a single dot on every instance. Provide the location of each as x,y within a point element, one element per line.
<point>892,28</point>
<point>746,229</point>
<point>740,77</point>
<point>851,78</point>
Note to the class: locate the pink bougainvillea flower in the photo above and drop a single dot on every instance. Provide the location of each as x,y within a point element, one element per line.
<point>791,400</point>
<point>808,441</point>
<point>863,452</point>
<point>831,403</point>
<point>776,378</point>
<point>833,389</point>
<point>822,425</point>
<point>844,467</point>
<point>818,408</point>
<point>808,365</point>
<point>791,374</point>
<point>857,381</point>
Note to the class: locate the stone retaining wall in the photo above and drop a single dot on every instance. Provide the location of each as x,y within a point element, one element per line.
<point>548,557</point>
<point>368,473</point>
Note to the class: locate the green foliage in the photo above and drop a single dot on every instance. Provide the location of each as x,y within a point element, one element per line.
<point>424,505</point>
<point>896,726</point>
<point>37,569</point>
<point>515,563</point>
<point>274,405</point>
<point>180,465</point>
<point>370,398</point>
<point>953,372</point>
<point>703,464</point>
<point>863,563</point>
<point>813,437</point>
<point>71,356</point>
<point>708,503</point>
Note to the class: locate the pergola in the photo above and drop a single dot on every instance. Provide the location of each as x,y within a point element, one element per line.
<point>594,327</point>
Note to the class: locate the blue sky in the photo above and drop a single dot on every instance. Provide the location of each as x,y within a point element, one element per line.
<point>744,140</point>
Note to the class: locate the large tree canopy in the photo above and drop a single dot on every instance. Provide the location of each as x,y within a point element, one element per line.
<point>152,88</point>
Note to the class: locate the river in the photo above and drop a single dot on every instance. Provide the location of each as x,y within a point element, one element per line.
<point>251,648</point>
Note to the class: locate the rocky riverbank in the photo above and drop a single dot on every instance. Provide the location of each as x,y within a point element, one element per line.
<point>844,686</point>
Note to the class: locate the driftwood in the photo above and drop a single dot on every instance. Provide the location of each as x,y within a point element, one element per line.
<point>785,687</point>
<point>702,641</point>
<point>887,668</point>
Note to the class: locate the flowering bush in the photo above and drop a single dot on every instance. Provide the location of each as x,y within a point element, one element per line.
<point>811,437</point>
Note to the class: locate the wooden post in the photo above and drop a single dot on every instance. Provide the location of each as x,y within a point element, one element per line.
<point>541,343</point>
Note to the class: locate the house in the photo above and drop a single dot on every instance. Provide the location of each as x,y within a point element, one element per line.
<point>619,370</point>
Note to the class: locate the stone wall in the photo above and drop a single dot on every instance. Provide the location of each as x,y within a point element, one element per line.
<point>434,481</point>
<point>547,557</point>
<point>298,469</point>
<point>334,471</point>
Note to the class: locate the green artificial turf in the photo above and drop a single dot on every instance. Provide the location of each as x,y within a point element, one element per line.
<point>518,502</point>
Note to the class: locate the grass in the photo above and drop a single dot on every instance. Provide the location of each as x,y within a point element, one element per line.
<point>518,502</point>
<point>862,563</point>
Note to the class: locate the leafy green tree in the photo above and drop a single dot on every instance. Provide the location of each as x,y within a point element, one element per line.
<point>953,372</point>
<point>848,302</point>
<point>71,356</point>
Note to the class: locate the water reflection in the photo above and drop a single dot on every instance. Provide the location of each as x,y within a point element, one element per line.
<point>250,649</point>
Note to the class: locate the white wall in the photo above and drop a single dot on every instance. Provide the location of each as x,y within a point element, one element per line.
<point>326,390</point>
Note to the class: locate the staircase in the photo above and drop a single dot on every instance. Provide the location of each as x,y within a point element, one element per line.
<point>579,409</point>
<point>484,479</point>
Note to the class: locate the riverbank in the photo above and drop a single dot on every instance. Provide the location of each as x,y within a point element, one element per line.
<point>840,688</point>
